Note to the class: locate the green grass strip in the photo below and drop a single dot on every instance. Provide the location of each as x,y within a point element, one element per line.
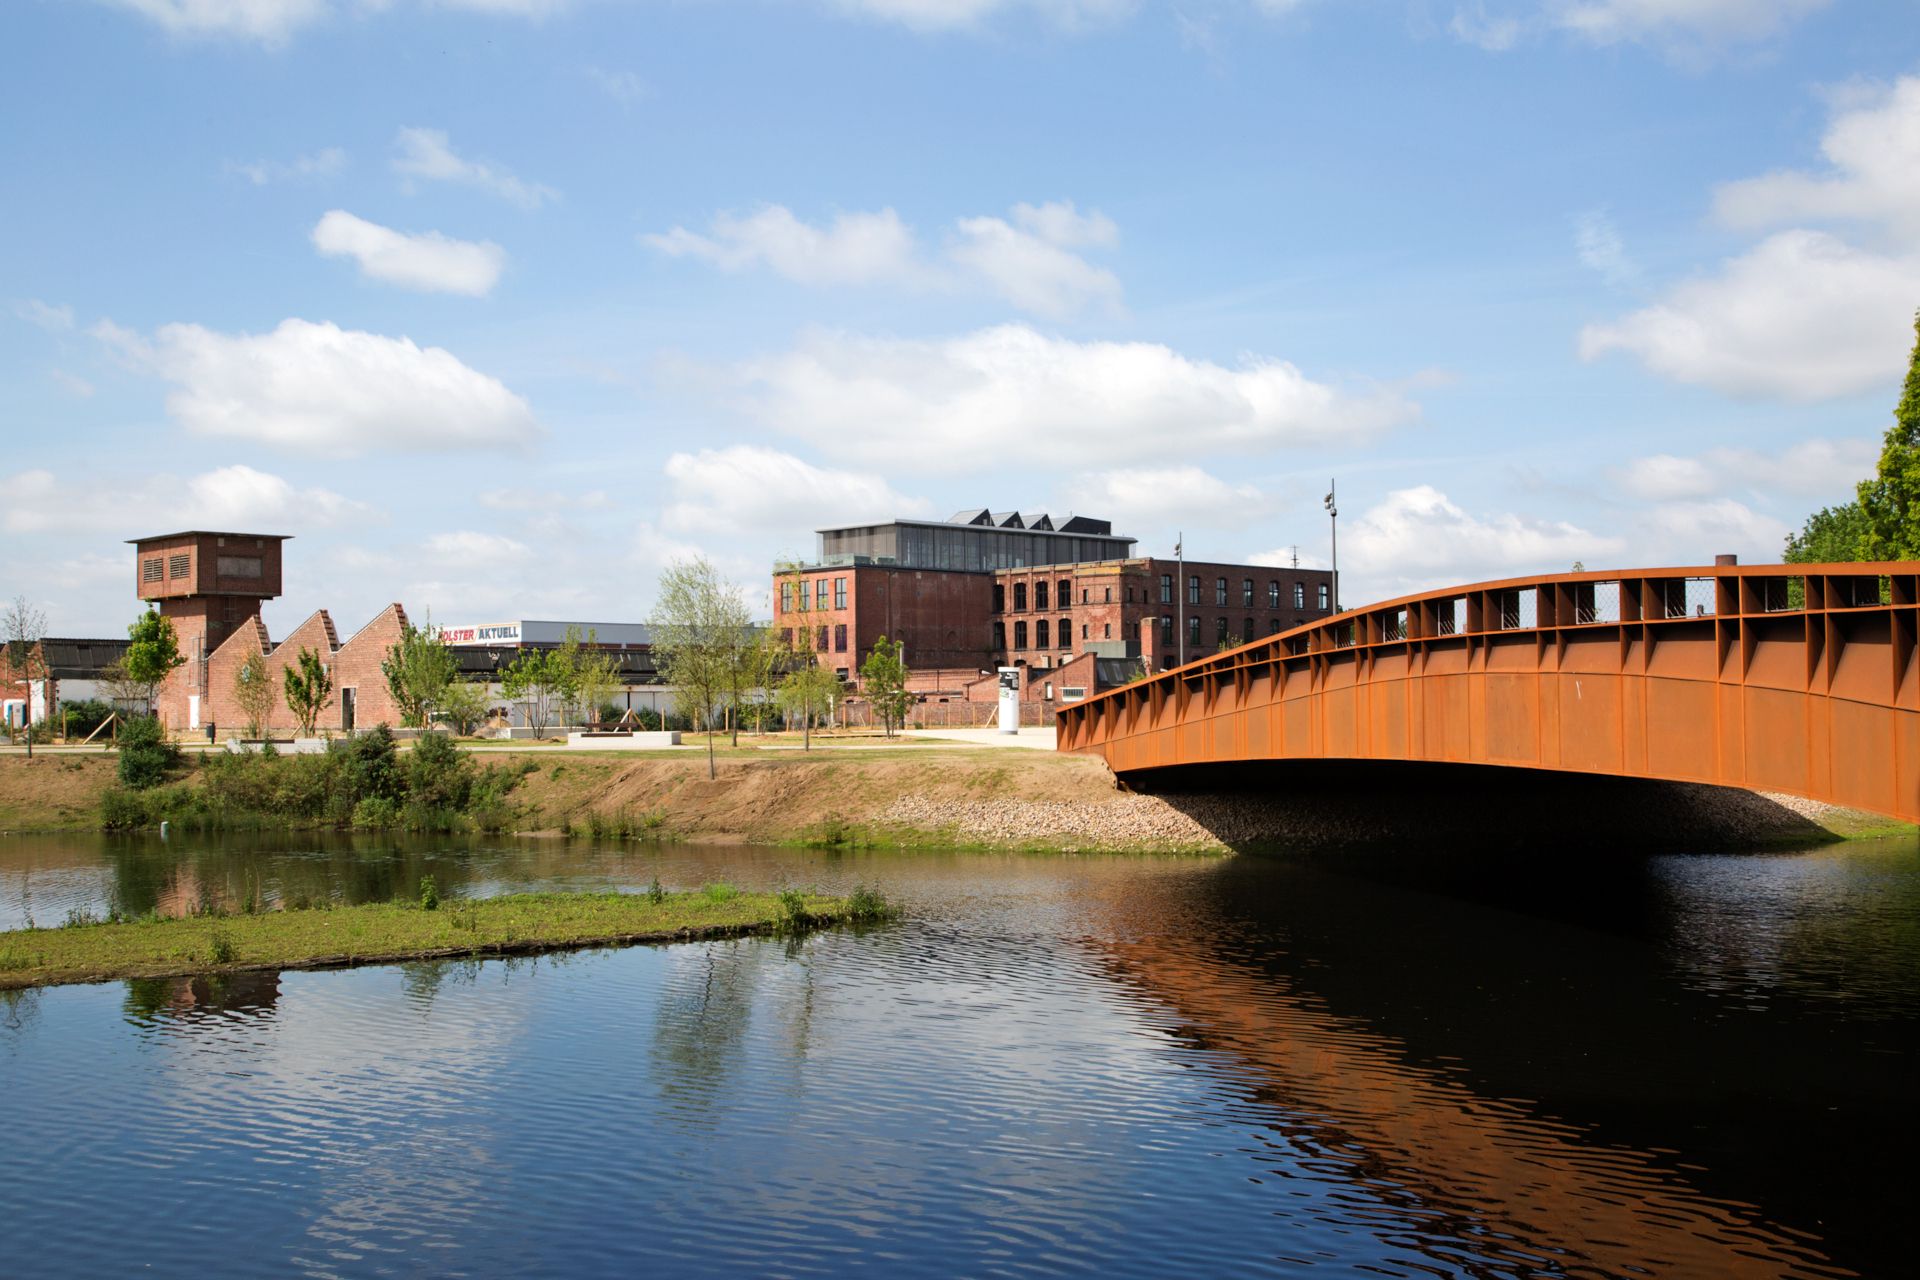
<point>383,933</point>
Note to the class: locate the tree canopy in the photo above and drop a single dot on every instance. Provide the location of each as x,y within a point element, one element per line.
<point>153,653</point>
<point>701,631</point>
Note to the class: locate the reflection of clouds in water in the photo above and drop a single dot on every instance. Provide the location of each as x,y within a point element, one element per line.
<point>1839,926</point>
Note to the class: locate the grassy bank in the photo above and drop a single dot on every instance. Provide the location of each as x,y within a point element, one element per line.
<point>382,933</point>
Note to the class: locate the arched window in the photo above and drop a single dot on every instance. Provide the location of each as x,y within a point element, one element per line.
<point>1040,628</point>
<point>1040,600</point>
<point>1019,635</point>
<point>1066,633</point>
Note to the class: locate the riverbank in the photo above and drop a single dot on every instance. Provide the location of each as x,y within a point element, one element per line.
<point>920,794</point>
<point>387,933</point>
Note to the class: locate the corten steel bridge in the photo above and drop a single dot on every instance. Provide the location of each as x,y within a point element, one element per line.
<point>1794,678</point>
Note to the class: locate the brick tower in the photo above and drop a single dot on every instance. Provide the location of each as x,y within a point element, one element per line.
<point>207,584</point>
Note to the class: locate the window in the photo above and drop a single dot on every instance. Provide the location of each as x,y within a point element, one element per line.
<point>999,597</point>
<point>786,636</point>
<point>999,637</point>
<point>1065,633</point>
<point>820,595</point>
<point>236,567</point>
<point>820,639</point>
<point>1109,596</point>
<point>1219,630</point>
<point>1220,592</point>
<point>1083,631</point>
<point>1273,627</point>
<point>1083,595</point>
<point>840,637</point>
<point>1246,593</point>
<point>1020,599</point>
<point>1323,595</point>
<point>1299,595</point>
<point>1106,631</point>
<point>1246,629</point>
<point>1040,598</point>
<point>786,601</point>
<point>839,593</point>
<point>1129,595</point>
<point>1193,588</point>
<point>150,570</point>
<point>1193,631</point>
<point>1049,683</point>
<point>1166,588</point>
<point>1166,628</point>
<point>1019,635</point>
<point>1040,634</point>
<point>178,564</point>
<point>1065,589</point>
<point>805,595</point>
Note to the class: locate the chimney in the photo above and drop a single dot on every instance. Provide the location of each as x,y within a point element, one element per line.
<point>1726,560</point>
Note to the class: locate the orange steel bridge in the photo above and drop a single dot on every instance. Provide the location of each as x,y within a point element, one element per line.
<point>1793,678</point>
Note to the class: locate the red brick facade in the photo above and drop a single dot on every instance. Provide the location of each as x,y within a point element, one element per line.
<point>358,681</point>
<point>210,585</point>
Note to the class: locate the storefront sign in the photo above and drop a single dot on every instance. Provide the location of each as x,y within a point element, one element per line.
<point>492,633</point>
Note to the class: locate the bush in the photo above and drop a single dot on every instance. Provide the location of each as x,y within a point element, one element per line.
<point>439,775</point>
<point>84,716</point>
<point>370,766</point>
<point>145,754</point>
<point>376,811</point>
<point>122,810</point>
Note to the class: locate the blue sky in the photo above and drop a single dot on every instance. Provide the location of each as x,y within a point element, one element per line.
<point>500,305</point>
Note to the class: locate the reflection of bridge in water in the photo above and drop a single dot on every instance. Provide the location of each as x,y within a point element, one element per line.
<point>1794,678</point>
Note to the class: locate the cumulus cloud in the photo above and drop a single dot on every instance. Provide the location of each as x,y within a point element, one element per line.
<point>1495,32</point>
<point>545,500</point>
<point>71,384</point>
<point>749,486</point>
<point>428,154</point>
<point>977,400</point>
<point>267,22</point>
<point>428,261</point>
<point>1810,469</point>
<point>224,498</point>
<point>305,168</point>
<point>54,319</point>
<point>1612,21</point>
<point>949,15</point>
<point>1166,497</point>
<point>471,546</point>
<point>320,389</point>
<point>1029,258</point>
<point>1601,250</point>
<point>624,87</point>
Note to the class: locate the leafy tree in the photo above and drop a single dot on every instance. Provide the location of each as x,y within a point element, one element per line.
<point>883,679</point>
<point>464,704</point>
<point>309,688</point>
<point>808,692</point>
<point>253,694</point>
<point>23,627</point>
<point>529,680</point>
<point>590,675</point>
<point>145,753</point>
<point>1830,535</point>
<point>766,659</point>
<point>152,655</point>
<point>700,633</point>
<point>1891,500</point>
<point>418,669</point>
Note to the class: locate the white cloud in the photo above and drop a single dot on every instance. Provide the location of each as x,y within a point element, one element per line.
<point>1496,33</point>
<point>428,154</point>
<point>1612,21</point>
<point>752,487</point>
<point>1166,497</point>
<point>430,261</point>
<point>1684,533</point>
<point>1601,249</point>
<point>317,388</point>
<point>624,87</point>
<point>471,547</point>
<point>982,399</point>
<point>1812,468</point>
<point>72,385</point>
<point>319,164</point>
<point>225,498</point>
<point>268,22</point>
<point>1028,259</point>
<point>1873,153</point>
<point>54,319</point>
<point>1802,316</point>
<point>542,500</point>
<point>948,15</point>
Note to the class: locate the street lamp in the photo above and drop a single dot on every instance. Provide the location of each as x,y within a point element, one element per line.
<point>1333,519</point>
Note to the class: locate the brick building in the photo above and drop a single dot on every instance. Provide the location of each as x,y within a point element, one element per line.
<point>209,585</point>
<point>1070,604</point>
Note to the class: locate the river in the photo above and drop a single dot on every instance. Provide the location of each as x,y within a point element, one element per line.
<point>1394,1064</point>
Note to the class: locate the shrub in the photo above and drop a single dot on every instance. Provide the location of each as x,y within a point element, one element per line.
<point>376,811</point>
<point>145,754</point>
<point>720,891</point>
<point>429,894</point>
<point>656,894</point>
<point>439,775</point>
<point>793,909</point>
<point>82,717</point>
<point>370,766</point>
<point>122,810</point>
<point>867,904</point>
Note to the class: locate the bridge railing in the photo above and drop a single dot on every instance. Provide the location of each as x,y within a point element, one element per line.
<point>1734,605</point>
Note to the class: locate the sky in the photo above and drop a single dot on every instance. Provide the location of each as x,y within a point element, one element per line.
<point>498,307</point>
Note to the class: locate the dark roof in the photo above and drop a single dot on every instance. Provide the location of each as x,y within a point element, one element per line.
<point>208,533</point>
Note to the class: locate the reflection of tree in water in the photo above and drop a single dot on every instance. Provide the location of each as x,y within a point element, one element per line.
<point>19,1011</point>
<point>700,1026</point>
<point>150,1001</point>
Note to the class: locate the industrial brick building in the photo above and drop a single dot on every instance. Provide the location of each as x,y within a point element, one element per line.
<point>1070,604</point>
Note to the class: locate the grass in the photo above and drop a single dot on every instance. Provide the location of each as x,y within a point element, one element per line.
<point>380,933</point>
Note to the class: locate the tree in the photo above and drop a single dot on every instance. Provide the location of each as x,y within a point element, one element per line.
<point>418,669</point>
<point>529,681</point>
<point>1891,500</point>
<point>765,659</point>
<point>1830,535</point>
<point>23,627</point>
<point>584,675</point>
<point>464,704</point>
<point>883,679</point>
<point>700,632</point>
<point>253,694</point>
<point>152,655</point>
<point>808,691</point>
<point>308,688</point>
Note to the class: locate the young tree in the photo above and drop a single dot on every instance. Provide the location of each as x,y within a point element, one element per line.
<point>808,692</point>
<point>1891,500</point>
<point>152,655</point>
<point>253,694</point>
<point>529,681</point>
<point>464,704</point>
<point>594,675</point>
<point>23,627</point>
<point>767,658</point>
<point>309,688</point>
<point>418,669</point>
<point>883,679</point>
<point>700,632</point>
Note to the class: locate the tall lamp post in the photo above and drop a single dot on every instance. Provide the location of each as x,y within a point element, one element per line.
<point>1333,520</point>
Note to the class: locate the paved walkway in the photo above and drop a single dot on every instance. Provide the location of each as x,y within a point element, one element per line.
<point>1034,739</point>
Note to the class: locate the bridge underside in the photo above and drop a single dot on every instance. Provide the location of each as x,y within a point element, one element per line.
<point>1726,676</point>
